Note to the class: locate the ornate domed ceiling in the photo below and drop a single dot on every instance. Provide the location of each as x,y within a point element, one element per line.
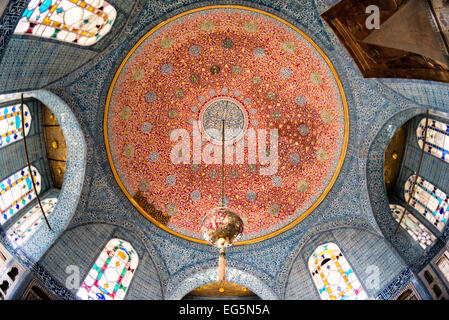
<point>267,80</point>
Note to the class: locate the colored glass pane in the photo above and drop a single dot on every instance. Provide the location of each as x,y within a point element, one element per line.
<point>111,275</point>
<point>333,276</point>
<point>17,191</point>
<point>437,141</point>
<point>83,22</point>
<point>415,229</point>
<point>22,230</point>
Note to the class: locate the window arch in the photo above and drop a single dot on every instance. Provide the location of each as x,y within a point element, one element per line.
<point>83,22</point>
<point>17,191</point>
<point>415,229</point>
<point>22,230</point>
<point>429,201</point>
<point>111,275</point>
<point>437,142</point>
<point>11,124</point>
<point>333,276</point>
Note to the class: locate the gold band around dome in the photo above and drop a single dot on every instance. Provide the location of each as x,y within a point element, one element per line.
<point>311,208</point>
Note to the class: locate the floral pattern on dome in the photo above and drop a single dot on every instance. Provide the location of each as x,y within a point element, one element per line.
<point>276,79</point>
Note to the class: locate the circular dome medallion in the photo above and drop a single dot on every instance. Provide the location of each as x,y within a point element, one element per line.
<point>229,110</point>
<point>266,79</point>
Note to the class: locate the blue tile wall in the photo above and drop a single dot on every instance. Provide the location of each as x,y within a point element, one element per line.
<point>9,18</point>
<point>353,213</point>
<point>33,63</point>
<point>270,260</point>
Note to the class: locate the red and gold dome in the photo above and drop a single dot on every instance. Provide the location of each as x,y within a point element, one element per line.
<point>257,72</point>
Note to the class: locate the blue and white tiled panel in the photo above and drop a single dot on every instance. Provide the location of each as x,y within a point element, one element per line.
<point>431,94</point>
<point>396,285</point>
<point>10,15</point>
<point>74,174</point>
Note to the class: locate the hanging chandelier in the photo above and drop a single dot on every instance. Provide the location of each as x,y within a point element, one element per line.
<point>222,227</point>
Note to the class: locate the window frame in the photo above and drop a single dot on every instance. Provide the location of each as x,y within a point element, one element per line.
<point>69,29</point>
<point>416,211</point>
<point>420,138</point>
<point>101,258</point>
<point>38,187</point>
<point>311,264</point>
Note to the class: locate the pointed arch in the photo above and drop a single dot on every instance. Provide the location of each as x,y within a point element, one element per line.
<point>111,275</point>
<point>24,228</point>
<point>11,129</point>
<point>70,192</point>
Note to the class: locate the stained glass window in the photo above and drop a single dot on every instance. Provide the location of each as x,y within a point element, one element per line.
<point>22,230</point>
<point>11,124</point>
<point>333,276</point>
<point>2,259</point>
<point>429,201</point>
<point>83,22</point>
<point>111,275</point>
<point>17,191</point>
<point>437,141</point>
<point>415,229</point>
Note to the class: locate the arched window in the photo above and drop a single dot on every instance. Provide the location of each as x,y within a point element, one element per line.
<point>83,22</point>
<point>11,124</point>
<point>429,201</point>
<point>443,264</point>
<point>437,141</point>
<point>415,229</point>
<point>333,276</point>
<point>111,275</point>
<point>22,230</point>
<point>17,191</point>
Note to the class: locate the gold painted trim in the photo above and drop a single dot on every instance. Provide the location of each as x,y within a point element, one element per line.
<point>314,205</point>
